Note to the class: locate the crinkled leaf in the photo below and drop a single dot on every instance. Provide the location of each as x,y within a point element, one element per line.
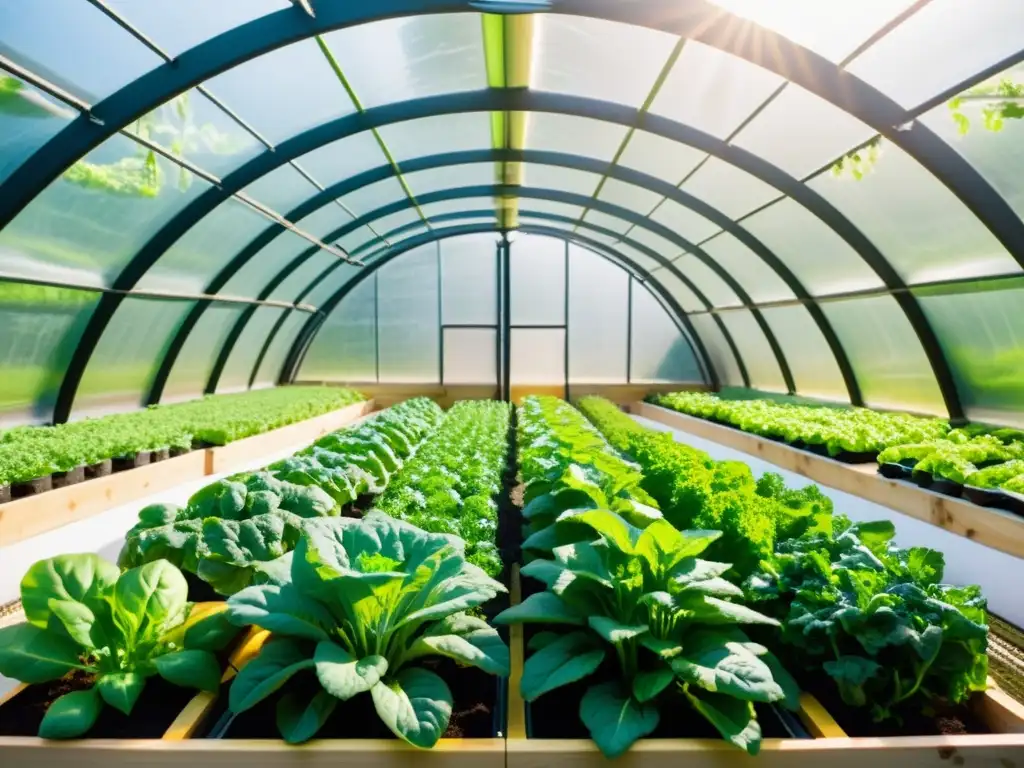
<point>149,599</point>
<point>343,675</point>
<point>736,720</point>
<point>81,579</point>
<point>713,662</point>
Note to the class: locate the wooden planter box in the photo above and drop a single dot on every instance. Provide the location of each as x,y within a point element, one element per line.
<point>33,515</point>
<point>993,528</point>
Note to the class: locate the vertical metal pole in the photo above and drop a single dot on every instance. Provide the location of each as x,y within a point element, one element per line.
<point>376,327</point>
<point>440,319</point>
<point>565,320</point>
<point>498,377</point>
<point>629,330</point>
<point>506,318</point>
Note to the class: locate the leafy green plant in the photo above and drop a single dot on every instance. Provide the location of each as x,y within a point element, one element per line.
<point>363,603</point>
<point>876,618</point>
<point>117,629</point>
<point>666,617</point>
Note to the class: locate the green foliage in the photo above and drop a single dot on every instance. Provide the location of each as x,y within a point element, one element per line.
<point>876,618</point>
<point>450,485</point>
<point>363,602</point>
<point>962,458</point>
<point>27,453</point>
<point>1001,101</point>
<point>83,615</point>
<point>860,162</point>
<point>667,618</point>
<point>233,532</point>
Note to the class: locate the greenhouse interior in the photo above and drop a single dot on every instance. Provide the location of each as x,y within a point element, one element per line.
<point>512,383</point>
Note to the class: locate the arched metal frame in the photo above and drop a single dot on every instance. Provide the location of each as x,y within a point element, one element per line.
<point>670,304</point>
<point>695,19</point>
<point>305,337</point>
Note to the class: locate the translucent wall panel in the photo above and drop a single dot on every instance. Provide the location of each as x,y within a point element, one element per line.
<point>660,353</point>
<point>396,226</point>
<point>273,361</point>
<point>919,225</point>
<point>436,135</point>
<point>982,334</point>
<point>537,205</point>
<point>637,199</point>
<point>242,359</point>
<point>756,277</point>
<point>537,281</point>
<point>301,278</point>
<point>469,280</point>
<point>410,305</point>
<point>86,226</point>
<point>323,222</point>
<point>891,366</point>
<point>810,358</point>
<point>282,189</point>
<point>411,57</point>
<point>198,255</point>
<point>712,90</point>
<point>727,188</point>
<point>660,157</point>
<point>537,356</point>
<point>560,178</point>
<point>821,259</point>
<point>684,221</point>
<point>59,39</point>
<point>598,59</point>
<point>28,119</point>
<point>341,159</point>
<point>368,199</point>
<point>641,259</point>
<point>942,38</point>
<point>483,205</point>
<point>679,291</point>
<point>714,288</point>
<point>129,353</point>
<point>182,24</point>
<point>253,277</point>
<point>470,356</point>
<point>598,319</point>
<point>192,369</point>
<point>722,358</point>
<point>553,132</point>
<point>449,176</point>
<point>762,367</point>
<point>613,227</point>
<point>284,92</point>
<point>345,348</point>
<point>331,283</point>
<point>359,240</point>
<point>801,132</point>
<point>41,329</point>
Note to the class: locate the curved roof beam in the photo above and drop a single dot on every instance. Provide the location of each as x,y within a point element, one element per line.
<point>501,101</point>
<point>639,272</point>
<point>693,19</point>
<point>305,337</point>
<point>327,197</point>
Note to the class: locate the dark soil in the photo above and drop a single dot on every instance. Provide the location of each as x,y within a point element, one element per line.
<point>510,503</point>
<point>154,712</point>
<point>99,469</point>
<point>176,452</point>
<point>71,477</point>
<point>32,487</point>
<point>124,463</point>
<point>475,694</point>
<point>360,506</point>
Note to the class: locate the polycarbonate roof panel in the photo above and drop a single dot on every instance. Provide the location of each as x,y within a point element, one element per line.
<point>252,278</point>
<point>450,177</point>
<point>192,368</point>
<point>284,92</point>
<point>198,255</point>
<point>655,242</point>
<point>465,204</point>
<point>834,29</point>
<point>411,57</point>
<point>240,362</point>
<point>364,201</point>
<point>282,189</point>
<point>811,361</point>
<point>762,366</point>
<point>389,225</point>
<point>177,25</point>
<point>273,360</point>
<point>924,231</point>
<point>679,290</point>
<point>324,221</point>
<point>758,279</point>
<point>344,158</point>
<point>60,40</point>
<point>359,239</point>
<point>612,223</point>
<point>722,358</point>
<point>660,157</point>
<point>598,59</point>
<point>28,119</point>
<point>437,135</point>
<point>85,226</point>
<point>550,206</point>
<point>707,281</point>
<point>331,283</point>
<point>629,196</point>
<point>712,90</point>
<point>727,188</point>
<point>553,132</point>
<point>640,259</point>
<point>684,221</point>
<point>560,178</point>
<point>939,46</point>
<point>800,132</point>
<point>821,260</point>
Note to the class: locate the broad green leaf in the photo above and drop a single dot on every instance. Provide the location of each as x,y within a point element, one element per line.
<point>77,621</point>
<point>712,662</point>
<point>566,660</point>
<point>74,578</point>
<point>736,720</point>
<point>541,608</point>
<point>850,674</point>
<point>615,632</point>
<point>649,683</point>
<point>711,610</point>
<point>664,547</point>
<point>190,669</point>
<point>467,640</point>
<point>207,628</point>
<point>277,662</point>
<point>283,610</point>
<point>715,587</point>
<point>298,722</point>
<point>790,687</point>
<point>541,640</point>
<point>34,655</point>
<point>121,690</point>
<point>344,676</point>
<point>615,719</point>
<point>584,560</point>
<point>545,571</point>
<point>149,599</point>
<point>72,715</point>
<point>606,524</point>
<point>415,705</point>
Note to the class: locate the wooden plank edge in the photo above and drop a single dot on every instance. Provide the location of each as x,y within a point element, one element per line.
<point>998,710</point>
<point>989,527</point>
<point>817,720</point>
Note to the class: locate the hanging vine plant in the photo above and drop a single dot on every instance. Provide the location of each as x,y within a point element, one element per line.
<point>1004,101</point>
<point>859,162</point>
